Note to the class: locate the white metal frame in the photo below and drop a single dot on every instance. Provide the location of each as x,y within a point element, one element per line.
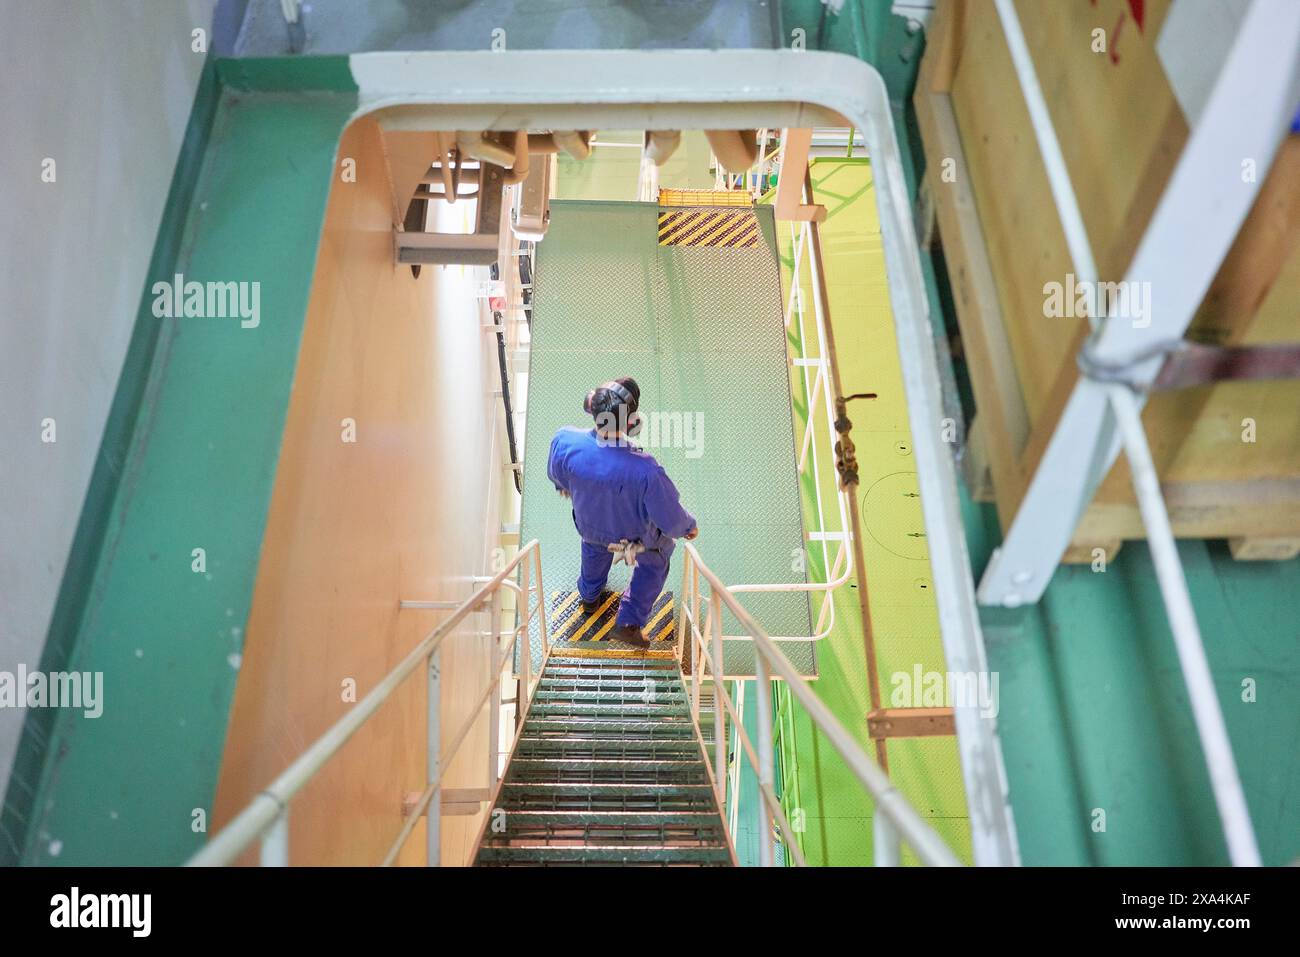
<point>895,820</point>
<point>1190,233</point>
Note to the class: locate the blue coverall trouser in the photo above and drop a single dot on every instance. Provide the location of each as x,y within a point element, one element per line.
<point>647,580</point>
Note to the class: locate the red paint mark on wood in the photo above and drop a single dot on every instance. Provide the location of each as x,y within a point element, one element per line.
<point>1114,39</point>
<point>1138,9</point>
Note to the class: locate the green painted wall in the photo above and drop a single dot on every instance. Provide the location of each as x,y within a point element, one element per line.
<point>187,462</point>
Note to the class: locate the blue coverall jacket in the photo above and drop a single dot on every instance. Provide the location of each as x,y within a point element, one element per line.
<point>618,492</point>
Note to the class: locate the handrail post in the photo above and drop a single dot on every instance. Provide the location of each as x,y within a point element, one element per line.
<point>886,844</point>
<point>697,661</point>
<point>683,606</point>
<point>525,617</point>
<point>767,848</point>
<point>541,600</point>
<point>433,761</point>
<point>494,696</point>
<point>719,725</point>
<point>275,843</point>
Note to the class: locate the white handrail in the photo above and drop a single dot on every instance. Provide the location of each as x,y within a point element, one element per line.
<point>266,816</point>
<point>895,818</point>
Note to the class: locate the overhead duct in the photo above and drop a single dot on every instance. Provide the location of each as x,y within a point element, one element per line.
<point>660,145</point>
<point>577,143</point>
<point>736,150</point>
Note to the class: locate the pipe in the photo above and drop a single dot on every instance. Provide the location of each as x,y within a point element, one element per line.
<point>542,143</point>
<point>736,150</point>
<point>577,143</point>
<point>1224,780</point>
<point>482,146</point>
<point>660,145</point>
<point>518,171</point>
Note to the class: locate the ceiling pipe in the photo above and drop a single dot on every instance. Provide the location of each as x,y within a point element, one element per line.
<point>577,143</point>
<point>660,145</point>
<point>736,150</point>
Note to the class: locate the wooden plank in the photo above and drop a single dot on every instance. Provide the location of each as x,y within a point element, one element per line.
<point>994,378</point>
<point>1023,238</point>
<point>1115,113</point>
<point>976,465</point>
<point>1264,549</point>
<point>910,723</point>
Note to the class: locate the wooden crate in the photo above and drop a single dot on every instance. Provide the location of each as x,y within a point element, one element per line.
<point>1122,131</point>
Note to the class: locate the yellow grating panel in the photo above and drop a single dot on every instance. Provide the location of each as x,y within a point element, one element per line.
<point>708,226</point>
<point>705,197</point>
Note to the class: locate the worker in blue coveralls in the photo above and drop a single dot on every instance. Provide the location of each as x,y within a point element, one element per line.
<point>624,504</point>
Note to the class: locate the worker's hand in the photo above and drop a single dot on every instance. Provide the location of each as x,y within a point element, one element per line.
<point>692,534</point>
<point>563,492</point>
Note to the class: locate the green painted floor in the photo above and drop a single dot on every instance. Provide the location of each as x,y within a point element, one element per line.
<point>700,329</point>
<point>1102,756</point>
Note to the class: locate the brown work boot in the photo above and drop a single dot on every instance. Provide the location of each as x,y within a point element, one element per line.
<point>631,634</point>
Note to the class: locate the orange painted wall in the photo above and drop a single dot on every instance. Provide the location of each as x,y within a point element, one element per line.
<point>404,512</point>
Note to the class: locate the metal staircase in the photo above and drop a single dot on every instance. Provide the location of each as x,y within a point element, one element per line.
<point>609,765</point>
<point>608,770</point>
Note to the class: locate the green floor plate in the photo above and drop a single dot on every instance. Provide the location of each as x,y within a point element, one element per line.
<point>700,328</point>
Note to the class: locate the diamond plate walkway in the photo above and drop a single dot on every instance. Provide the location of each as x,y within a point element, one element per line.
<point>700,327</point>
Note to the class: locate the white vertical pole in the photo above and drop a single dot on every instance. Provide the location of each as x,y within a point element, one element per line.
<point>494,697</point>
<point>887,849</point>
<point>433,762</point>
<point>719,712</point>
<point>275,845</point>
<point>1228,795</point>
<point>541,597</point>
<point>767,848</point>
<point>525,645</point>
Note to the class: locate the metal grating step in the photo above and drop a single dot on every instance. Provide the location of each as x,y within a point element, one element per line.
<point>592,691</point>
<point>589,749</point>
<point>695,830</point>
<point>601,776</point>
<point>630,772</point>
<point>623,727</point>
<point>571,819</point>
<point>620,708</point>
<point>579,855</point>
<point>588,799</point>
<point>638,671</point>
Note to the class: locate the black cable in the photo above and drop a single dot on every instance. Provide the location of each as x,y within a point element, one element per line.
<point>499,321</point>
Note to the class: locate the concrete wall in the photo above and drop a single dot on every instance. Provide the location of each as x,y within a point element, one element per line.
<point>408,510</point>
<point>103,89</point>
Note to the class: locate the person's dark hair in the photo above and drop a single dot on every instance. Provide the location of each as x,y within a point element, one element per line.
<point>615,401</point>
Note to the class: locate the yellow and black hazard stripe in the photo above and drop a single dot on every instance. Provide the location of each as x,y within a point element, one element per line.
<point>662,623</point>
<point>708,226</point>
<point>572,623</point>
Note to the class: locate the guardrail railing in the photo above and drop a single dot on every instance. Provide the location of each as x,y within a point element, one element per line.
<point>266,818</point>
<point>895,821</point>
